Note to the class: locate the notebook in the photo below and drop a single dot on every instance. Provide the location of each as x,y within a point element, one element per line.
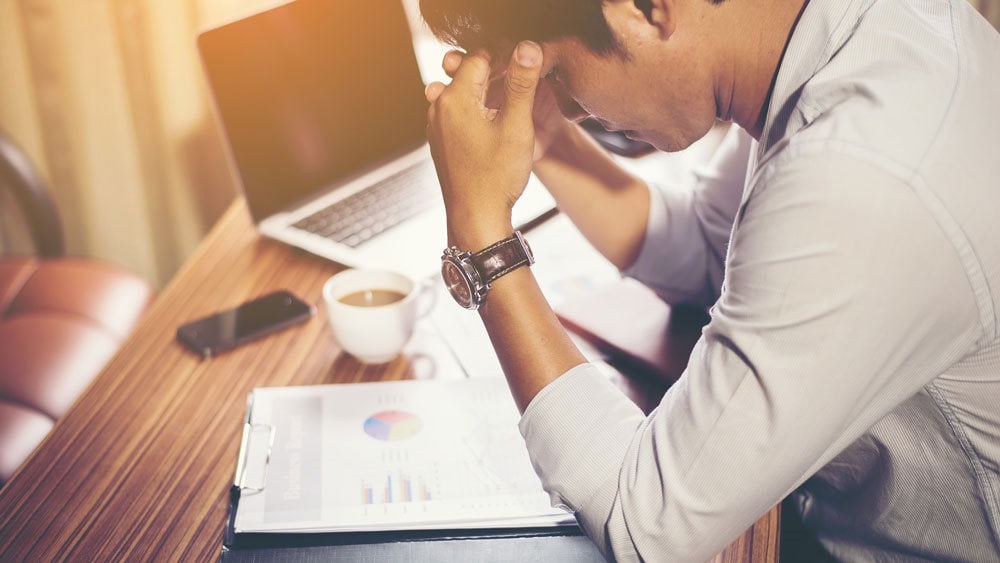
<point>323,109</point>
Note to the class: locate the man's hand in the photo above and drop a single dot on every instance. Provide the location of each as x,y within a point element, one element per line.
<point>549,120</point>
<point>484,155</point>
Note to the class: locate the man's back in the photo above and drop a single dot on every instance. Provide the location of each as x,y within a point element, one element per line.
<point>910,90</point>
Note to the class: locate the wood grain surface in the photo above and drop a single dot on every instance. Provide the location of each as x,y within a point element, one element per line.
<point>140,467</point>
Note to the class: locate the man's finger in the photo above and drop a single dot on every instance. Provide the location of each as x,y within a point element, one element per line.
<point>523,75</point>
<point>433,90</point>
<point>473,73</point>
<point>451,62</point>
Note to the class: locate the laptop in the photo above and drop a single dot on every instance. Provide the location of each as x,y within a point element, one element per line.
<point>323,109</point>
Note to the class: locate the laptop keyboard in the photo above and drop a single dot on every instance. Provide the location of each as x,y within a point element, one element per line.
<point>358,218</point>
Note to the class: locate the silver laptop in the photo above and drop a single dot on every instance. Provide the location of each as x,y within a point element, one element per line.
<point>323,107</point>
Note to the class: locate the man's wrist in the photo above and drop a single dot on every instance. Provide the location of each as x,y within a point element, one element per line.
<point>469,275</point>
<point>562,144</point>
<point>477,235</point>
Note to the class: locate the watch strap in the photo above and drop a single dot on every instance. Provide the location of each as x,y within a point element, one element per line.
<point>502,257</point>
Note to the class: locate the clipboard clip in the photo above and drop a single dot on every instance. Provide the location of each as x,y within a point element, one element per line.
<point>254,458</point>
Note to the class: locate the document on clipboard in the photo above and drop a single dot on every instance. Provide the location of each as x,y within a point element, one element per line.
<point>401,455</point>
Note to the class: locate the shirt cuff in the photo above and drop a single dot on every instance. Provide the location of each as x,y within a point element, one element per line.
<point>578,430</point>
<point>649,263</point>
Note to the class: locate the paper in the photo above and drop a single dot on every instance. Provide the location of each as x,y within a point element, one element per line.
<point>390,455</point>
<point>566,265</point>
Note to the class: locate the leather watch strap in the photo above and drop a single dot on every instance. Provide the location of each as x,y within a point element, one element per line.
<point>501,257</point>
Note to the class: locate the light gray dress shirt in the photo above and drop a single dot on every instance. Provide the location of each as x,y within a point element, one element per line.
<point>853,356</point>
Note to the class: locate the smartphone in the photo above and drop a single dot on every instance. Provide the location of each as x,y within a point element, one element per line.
<point>228,329</point>
<point>615,141</point>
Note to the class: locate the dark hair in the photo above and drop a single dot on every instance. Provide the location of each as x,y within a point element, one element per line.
<point>491,24</point>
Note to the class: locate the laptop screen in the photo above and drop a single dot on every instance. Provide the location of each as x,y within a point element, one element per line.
<point>313,92</point>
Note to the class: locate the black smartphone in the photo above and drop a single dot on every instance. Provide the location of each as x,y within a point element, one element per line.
<point>228,329</point>
<point>615,141</point>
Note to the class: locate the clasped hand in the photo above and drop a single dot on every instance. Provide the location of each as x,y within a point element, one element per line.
<point>483,155</point>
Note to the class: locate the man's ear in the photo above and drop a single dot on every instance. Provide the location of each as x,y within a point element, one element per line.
<point>659,13</point>
<point>646,7</point>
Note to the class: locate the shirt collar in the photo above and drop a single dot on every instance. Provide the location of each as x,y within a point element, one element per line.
<point>823,27</point>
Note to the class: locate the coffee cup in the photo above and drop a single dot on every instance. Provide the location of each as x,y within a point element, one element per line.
<point>373,312</point>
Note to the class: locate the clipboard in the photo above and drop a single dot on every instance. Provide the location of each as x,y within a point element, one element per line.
<point>492,545</point>
<point>544,543</point>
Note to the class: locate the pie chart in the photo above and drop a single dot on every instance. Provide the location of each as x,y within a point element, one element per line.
<point>392,426</point>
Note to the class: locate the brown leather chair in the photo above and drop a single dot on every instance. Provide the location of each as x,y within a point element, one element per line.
<point>61,318</point>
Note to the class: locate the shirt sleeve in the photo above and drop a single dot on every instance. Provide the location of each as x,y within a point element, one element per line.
<point>843,298</point>
<point>688,228</point>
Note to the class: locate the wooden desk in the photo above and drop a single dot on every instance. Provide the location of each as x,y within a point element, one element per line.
<point>140,467</point>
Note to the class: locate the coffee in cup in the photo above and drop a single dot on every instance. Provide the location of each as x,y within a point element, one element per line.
<point>372,297</point>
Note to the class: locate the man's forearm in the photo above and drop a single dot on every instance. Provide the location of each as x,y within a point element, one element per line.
<point>609,205</point>
<point>483,159</point>
<point>531,344</point>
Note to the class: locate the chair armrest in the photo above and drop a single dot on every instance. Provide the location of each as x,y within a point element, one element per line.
<point>32,194</point>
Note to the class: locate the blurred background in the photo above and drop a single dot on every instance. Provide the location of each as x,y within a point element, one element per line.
<point>108,99</point>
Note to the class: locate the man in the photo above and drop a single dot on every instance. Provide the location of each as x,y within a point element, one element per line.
<point>852,267</point>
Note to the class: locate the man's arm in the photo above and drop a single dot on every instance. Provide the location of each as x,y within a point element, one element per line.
<point>672,238</point>
<point>828,322</point>
<point>687,233</point>
<point>483,158</point>
<point>608,204</point>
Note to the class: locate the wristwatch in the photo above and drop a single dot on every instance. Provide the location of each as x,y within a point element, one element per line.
<point>469,276</point>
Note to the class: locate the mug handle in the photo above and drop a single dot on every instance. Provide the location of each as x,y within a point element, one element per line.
<point>427,297</point>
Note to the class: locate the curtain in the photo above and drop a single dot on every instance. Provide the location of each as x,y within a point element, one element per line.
<point>108,100</point>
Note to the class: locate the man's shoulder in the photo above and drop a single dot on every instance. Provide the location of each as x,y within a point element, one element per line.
<point>906,81</point>
<point>884,91</point>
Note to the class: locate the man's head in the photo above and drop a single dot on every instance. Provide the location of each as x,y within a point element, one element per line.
<point>660,70</point>
<point>629,63</point>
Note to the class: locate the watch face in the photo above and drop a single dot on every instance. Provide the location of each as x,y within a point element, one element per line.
<point>458,286</point>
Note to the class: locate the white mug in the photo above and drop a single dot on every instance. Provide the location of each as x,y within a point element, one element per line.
<point>373,312</point>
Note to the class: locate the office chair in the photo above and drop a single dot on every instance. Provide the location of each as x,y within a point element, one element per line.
<point>61,318</point>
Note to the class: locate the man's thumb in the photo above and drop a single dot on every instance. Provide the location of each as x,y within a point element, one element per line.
<point>522,80</point>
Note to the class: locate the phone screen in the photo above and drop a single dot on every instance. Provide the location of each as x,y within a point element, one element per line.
<point>227,329</point>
